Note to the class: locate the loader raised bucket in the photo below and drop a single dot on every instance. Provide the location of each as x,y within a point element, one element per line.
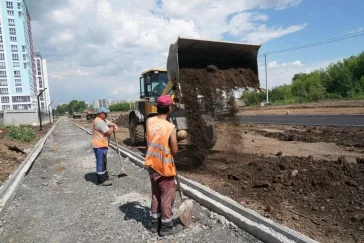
<point>198,54</point>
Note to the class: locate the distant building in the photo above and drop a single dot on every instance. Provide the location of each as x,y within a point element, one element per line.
<point>42,81</point>
<point>17,66</point>
<point>96,104</point>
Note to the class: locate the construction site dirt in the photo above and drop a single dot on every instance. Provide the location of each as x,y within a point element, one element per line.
<point>313,186</point>
<point>14,152</point>
<point>209,82</point>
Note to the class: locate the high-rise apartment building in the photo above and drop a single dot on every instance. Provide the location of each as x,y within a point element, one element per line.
<point>17,64</point>
<point>41,77</point>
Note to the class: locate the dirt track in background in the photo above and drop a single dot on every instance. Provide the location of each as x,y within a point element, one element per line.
<point>314,186</point>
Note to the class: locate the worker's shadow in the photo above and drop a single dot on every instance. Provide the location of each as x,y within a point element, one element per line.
<point>134,210</point>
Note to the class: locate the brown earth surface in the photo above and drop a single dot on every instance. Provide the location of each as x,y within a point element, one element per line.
<point>313,183</point>
<point>350,107</point>
<point>12,151</point>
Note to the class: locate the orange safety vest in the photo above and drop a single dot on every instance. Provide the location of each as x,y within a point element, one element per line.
<point>159,156</point>
<point>99,140</point>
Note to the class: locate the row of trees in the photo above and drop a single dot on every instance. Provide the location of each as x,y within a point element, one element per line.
<point>341,80</point>
<point>124,106</point>
<point>80,106</point>
<point>73,106</point>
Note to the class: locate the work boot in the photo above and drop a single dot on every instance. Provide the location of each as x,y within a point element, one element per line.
<point>169,229</point>
<point>105,183</point>
<point>155,225</point>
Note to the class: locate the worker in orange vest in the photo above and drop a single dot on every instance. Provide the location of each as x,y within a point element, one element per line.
<point>102,129</point>
<point>162,145</point>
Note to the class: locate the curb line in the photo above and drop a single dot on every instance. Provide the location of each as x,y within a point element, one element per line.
<point>264,229</point>
<point>8,189</point>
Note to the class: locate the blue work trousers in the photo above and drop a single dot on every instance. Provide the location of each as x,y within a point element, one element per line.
<point>101,163</point>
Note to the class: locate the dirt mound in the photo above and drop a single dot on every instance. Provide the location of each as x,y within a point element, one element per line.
<point>342,136</point>
<point>323,199</point>
<point>210,82</point>
<point>123,121</point>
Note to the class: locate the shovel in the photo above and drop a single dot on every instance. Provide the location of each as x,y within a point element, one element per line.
<point>185,210</point>
<point>120,158</point>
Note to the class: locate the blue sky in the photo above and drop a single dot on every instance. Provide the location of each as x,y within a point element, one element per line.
<point>325,19</point>
<point>97,48</point>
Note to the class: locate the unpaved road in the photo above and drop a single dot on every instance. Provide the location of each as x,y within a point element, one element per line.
<point>310,120</point>
<point>59,202</point>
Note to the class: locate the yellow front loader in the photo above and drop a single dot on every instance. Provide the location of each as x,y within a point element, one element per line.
<point>186,53</point>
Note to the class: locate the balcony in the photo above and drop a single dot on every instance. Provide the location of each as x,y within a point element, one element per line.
<point>14,50</point>
<point>17,75</point>
<point>5,101</point>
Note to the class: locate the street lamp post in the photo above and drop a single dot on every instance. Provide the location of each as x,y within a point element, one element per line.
<point>266,78</point>
<point>49,113</point>
<point>39,115</point>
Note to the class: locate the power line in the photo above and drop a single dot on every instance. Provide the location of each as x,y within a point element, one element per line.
<point>330,40</point>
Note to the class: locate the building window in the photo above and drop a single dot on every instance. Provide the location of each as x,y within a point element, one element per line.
<point>17,82</point>
<point>4,91</point>
<point>40,82</point>
<point>1,47</point>
<point>19,5</point>
<point>13,38</point>
<point>18,90</point>
<point>2,65</point>
<point>17,73</point>
<point>16,64</point>
<point>20,14</point>
<point>19,97</point>
<point>1,40</point>
<point>11,22</point>
<point>25,66</point>
<point>23,48</point>
<point>2,56</point>
<point>20,106</point>
<point>6,107</point>
<point>15,56</point>
<point>3,82</point>
<point>14,48</point>
<point>24,57</point>
<point>12,31</point>
<point>2,73</point>
<point>1,31</point>
<point>9,4</point>
<point>10,12</point>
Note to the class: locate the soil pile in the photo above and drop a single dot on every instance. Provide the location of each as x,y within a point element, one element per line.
<point>323,199</point>
<point>342,136</point>
<point>210,82</point>
<point>123,121</point>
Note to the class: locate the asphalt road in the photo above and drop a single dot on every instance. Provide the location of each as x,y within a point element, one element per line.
<point>58,201</point>
<point>309,120</point>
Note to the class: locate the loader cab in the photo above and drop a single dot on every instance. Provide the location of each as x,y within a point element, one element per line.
<point>152,83</point>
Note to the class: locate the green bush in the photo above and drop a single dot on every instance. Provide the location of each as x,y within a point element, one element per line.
<point>125,106</point>
<point>21,133</point>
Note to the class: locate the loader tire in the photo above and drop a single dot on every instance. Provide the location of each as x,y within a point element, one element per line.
<point>137,133</point>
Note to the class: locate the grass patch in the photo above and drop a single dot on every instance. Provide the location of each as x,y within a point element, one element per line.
<point>21,133</point>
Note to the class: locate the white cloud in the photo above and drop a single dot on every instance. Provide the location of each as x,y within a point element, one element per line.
<point>98,47</point>
<point>357,30</point>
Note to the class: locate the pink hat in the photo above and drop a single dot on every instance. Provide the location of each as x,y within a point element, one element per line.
<point>164,100</point>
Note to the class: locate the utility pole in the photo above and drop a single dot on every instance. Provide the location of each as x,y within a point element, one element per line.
<point>266,77</point>
<point>49,113</point>
<point>39,114</point>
